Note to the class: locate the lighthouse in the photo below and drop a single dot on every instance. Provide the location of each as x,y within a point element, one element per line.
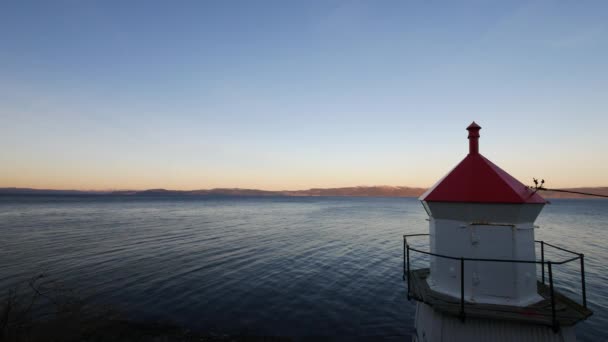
<point>487,278</point>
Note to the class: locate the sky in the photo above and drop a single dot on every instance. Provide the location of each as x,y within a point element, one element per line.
<point>297,94</point>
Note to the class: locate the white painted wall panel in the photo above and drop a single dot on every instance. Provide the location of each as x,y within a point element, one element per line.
<point>461,234</point>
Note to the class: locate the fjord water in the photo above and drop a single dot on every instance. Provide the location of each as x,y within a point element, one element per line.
<point>289,266</point>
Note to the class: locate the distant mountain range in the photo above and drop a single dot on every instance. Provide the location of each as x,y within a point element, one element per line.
<point>358,191</point>
<point>362,191</point>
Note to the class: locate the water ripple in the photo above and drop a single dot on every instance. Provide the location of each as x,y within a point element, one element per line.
<point>299,267</point>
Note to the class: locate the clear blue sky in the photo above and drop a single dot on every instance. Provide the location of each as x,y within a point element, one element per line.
<point>299,94</point>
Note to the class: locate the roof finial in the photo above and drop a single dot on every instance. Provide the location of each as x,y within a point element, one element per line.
<point>473,138</point>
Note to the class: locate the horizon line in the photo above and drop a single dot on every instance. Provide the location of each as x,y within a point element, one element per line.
<point>256,189</point>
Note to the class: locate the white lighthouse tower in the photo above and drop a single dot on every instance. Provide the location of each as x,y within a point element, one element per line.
<point>481,284</point>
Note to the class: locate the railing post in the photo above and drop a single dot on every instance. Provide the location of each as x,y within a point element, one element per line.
<point>404,245</point>
<point>462,316</point>
<point>542,258</point>
<point>583,279</point>
<point>553,319</point>
<point>408,271</point>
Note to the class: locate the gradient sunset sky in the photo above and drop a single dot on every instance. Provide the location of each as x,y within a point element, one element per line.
<point>299,94</point>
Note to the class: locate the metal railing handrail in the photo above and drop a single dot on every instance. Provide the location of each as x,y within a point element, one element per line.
<point>557,247</point>
<point>406,270</point>
<point>496,260</point>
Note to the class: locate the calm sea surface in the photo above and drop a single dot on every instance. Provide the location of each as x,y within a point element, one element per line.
<point>263,266</point>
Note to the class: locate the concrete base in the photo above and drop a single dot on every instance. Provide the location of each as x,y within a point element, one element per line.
<point>433,326</point>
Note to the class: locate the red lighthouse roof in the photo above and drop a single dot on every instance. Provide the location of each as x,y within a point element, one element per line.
<point>478,180</point>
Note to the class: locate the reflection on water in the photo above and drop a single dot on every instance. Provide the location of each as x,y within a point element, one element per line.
<point>272,266</point>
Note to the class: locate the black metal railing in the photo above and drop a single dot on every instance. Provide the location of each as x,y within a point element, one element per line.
<point>555,324</point>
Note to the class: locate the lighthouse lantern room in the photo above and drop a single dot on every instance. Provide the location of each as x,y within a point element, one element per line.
<point>482,277</point>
